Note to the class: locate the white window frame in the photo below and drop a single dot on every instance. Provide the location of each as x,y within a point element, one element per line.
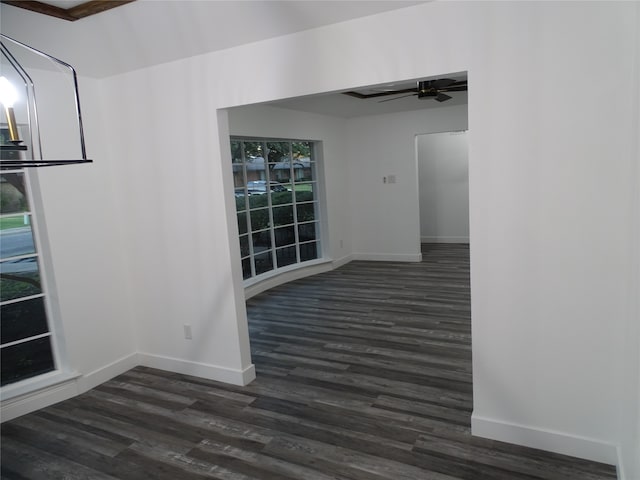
<point>61,371</point>
<point>319,221</point>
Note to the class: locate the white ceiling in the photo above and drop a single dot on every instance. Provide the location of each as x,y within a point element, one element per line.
<point>149,32</point>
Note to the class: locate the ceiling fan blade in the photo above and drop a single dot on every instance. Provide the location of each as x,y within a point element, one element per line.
<point>441,97</point>
<point>442,83</point>
<point>455,89</point>
<point>397,98</point>
<point>364,96</point>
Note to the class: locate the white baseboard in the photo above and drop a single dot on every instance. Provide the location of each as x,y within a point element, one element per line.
<point>621,469</point>
<point>106,373</point>
<point>342,261</point>
<point>444,239</point>
<point>203,370</point>
<point>551,441</point>
<point>63,387</point>
<point>388,257</point>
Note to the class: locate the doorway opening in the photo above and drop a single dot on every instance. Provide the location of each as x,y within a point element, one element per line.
<point>443,187</point>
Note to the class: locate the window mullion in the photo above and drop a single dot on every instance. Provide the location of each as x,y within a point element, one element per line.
<point>25,340</point>
<point>247,209</point>
<point>292,173</point>
<point>272,232</point>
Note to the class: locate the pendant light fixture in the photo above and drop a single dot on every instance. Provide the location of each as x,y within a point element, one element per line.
<point>18,92</point>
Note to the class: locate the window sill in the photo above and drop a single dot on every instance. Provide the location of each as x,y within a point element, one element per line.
<point>32,386</point>
<point>287,274</point>
<point>281,271</point>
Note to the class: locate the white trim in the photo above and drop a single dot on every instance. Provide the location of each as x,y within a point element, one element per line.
<point>33,394</point>
<point>620,465</point>
<point>59,387</point>
<point>453,239</point>
<point>388,257</point>
<point>25,340</point>
<point>342,261</point>
<point>543,439</point>
<point>299,270</point>
<point>106,373</point>
<point>197,369</point>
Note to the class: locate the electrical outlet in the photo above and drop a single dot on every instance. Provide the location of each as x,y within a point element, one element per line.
<point>391,179</point>
<point>187,332</point>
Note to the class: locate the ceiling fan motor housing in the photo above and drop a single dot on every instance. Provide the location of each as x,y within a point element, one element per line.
<point>426,90</point>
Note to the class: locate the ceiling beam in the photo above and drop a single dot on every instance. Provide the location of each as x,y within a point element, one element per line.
<point>95,6</point>
<point>71,14</point>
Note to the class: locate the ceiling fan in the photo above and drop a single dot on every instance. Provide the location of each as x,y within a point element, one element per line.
<point>424,89</point>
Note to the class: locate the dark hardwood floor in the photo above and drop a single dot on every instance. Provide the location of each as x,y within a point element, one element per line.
<point>364,373</point>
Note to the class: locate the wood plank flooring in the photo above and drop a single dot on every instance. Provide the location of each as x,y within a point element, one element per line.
<point>364,373</point>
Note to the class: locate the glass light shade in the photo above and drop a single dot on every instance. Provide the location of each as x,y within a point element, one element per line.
<point>8,93</point>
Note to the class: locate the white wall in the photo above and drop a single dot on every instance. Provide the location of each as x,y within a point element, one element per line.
<point>385,216</point>
<point>85,239</point>
<point>552,192</point>
<point>549,258</point>
<point>173,204</point>
<point>443,178</point>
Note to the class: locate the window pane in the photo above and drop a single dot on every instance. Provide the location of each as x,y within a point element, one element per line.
<point>308,251</point>
<point>246,268</point>
<point>275,183</point>
<point>278,152</point>
<point>236,151</point>
<point>242,223</point>
<point>17,239</point>
<point>13,194</point>
<point>253,150</point>
<point>244,246</point>
<point>26,360</point>
<point>283,215</point>
<point>20,278</point>
<point>23,320</point>
<point>305,192</point>
<point>286,256</point>
<point>258,200</point>
<point>306,212</point>
<point>281,172</point>
<point>285,236</point>
<point>263,262</point>
<point>259,219</point>
<point>261,241</point>
<point>280,198</point>
<point>307,231</point>
<point>302,149</point>
<point>241,199</point>
<point>255,170</point>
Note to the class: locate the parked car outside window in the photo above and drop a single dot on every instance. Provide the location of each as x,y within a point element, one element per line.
<point>257,187</point>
